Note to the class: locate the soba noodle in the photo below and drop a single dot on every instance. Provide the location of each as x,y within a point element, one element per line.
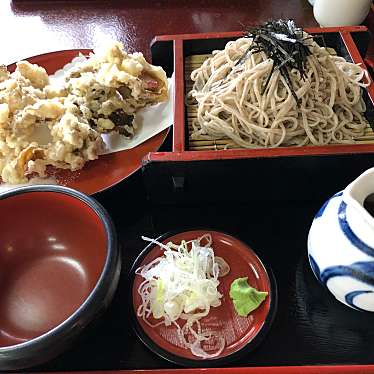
<point>230,101</point>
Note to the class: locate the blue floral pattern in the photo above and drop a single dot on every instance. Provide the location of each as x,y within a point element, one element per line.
<point>330,258</point>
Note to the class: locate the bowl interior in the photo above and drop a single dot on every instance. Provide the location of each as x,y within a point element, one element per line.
<point>52,252</point>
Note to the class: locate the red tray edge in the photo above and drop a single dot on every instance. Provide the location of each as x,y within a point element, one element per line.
<point>209,35</point>
<point>320,369</point>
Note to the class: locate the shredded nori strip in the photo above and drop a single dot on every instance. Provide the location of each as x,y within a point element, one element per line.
<point>284,43</point>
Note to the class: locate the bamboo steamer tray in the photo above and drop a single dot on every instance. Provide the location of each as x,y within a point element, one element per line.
<point>219,170</point>
<point>194,62</point>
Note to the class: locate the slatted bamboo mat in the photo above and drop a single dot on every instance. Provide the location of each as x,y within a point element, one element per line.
<point>195,61</point>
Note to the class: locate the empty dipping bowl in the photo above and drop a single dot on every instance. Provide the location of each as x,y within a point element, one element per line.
<point>59,269</point>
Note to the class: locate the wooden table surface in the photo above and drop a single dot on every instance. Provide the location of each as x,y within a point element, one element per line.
<point>29,27</point>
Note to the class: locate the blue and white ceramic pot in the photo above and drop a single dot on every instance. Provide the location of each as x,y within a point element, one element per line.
<point>341,244</point>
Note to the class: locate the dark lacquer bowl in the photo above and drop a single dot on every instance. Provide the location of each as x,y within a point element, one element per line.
<point>59,269</point>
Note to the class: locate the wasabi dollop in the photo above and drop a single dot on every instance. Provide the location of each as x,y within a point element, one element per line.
<point>246,299</point>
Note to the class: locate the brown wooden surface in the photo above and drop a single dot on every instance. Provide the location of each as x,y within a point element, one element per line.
<point>31,27</point>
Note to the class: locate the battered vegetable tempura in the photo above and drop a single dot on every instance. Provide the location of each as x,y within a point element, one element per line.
<point>43,122</point>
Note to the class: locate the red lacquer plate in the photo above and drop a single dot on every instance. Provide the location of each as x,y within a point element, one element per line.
<point>242,334</point>
<point>109,169</point>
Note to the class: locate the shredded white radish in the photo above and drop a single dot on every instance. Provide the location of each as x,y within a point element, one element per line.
<point>183,284</point>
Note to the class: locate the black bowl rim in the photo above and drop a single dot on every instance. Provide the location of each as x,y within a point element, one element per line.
<point>111,256</point>
<point>201,363</point>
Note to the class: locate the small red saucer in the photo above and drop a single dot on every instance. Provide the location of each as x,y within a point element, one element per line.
<point>242,334</point>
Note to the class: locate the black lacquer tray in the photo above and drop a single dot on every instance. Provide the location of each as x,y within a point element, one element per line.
<point>310,327</point>
<point>273,218</point>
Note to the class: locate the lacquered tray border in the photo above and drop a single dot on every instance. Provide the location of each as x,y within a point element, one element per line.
<point>178,129</point>
<point>339,369</point>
